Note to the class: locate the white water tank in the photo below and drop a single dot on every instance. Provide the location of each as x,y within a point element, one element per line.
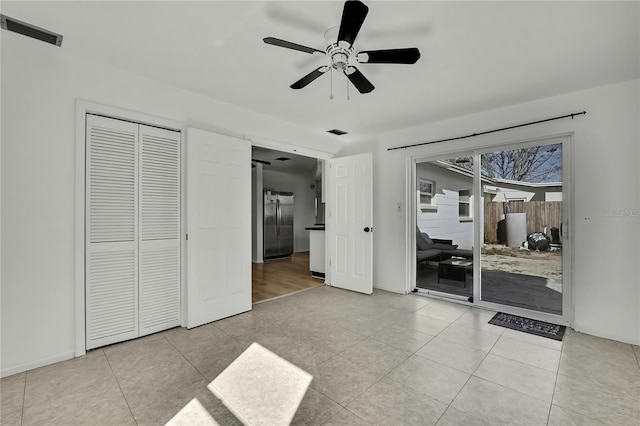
<point>516,224</point>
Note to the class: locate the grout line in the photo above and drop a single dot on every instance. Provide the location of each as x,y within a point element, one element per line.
<point>119,387</point>
<point>24,394</point>
<point>186,359</point>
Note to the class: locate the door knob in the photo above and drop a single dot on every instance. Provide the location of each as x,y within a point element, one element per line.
<point>367,229</point>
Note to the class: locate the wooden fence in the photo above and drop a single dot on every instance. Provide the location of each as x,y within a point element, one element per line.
<point>539,214</point>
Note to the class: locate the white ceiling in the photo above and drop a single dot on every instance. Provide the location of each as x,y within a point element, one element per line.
<point>475,55</point>
<point>296,164</point>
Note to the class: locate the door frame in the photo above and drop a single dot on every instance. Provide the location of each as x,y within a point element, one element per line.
<point>307,152</point>
<point>84,107</point>
<point>567,140</point>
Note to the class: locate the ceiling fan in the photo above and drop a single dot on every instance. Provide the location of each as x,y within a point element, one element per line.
<point>340,50</point>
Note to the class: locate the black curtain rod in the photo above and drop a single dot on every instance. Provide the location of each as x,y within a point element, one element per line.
<point>489,131</point>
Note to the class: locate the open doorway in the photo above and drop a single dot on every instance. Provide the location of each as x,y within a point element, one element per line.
<point>286,202</point>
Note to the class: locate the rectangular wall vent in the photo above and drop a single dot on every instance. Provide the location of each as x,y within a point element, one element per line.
<point>337,132</point>
<point>30,30</point>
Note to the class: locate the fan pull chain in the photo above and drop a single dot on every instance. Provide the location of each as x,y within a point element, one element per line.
<point>331,94</point>
<point>347,81</point>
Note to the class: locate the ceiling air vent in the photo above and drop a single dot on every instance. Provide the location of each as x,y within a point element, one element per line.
<point>30,30</point>
<point>337,132</point>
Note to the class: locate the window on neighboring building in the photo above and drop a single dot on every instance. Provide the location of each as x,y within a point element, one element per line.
<point>426,194</point>
<point>464,204</point>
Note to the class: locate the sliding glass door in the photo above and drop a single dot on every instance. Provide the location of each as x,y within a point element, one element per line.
<point>496,234</point>
<point>523,205</point>
<point>444,227</point>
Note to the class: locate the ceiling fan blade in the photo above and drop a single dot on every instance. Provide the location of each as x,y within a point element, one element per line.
<point>289,45</point>
<point>389,56</point>
<point>310,77</point>
<point>360,81</point>
<point>353,16</point>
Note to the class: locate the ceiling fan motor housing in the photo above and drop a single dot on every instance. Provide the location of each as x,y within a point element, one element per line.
<point>339,54</point>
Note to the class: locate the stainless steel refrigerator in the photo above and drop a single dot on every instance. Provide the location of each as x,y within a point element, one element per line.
<point>278,224</point>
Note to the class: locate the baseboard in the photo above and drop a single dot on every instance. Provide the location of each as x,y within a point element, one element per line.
<point>10,371</point>
<point>390,290</point>
<point>610,336</point>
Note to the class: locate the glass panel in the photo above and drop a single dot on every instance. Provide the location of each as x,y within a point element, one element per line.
<point>445,241</point>
<point>521,258</point>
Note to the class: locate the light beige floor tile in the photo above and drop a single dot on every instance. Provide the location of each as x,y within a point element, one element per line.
<point>304,355</point>
<point>387,403</point>
<point>210,362</point>
<point>469,337</point>
<point>343,380</point>
<point>129,344</point>
<point>606,369</point>
<point>345,417</point>
<point>479,320</point>
<point>12,395</point>
<point>527,353</point>
<point>573,338</point>
<point>403,337</point>
<point>376,355</point>
<point>75,392</point>
<point>334,338</point>
<point>204,336</point>
<point>425,324</point>
<point>452,354</point>
<point>515,375</point>
<point>498,405</point>
<point>562,417</point>
<point>407,303</point>
<point>454,417</point>
<point>605,403</point>
<point>158,411</point>
<point>533,339</point>
<point>151,371</point>
<point>432,379</point>
<point>69,377</point>
<point>315,409</point>
<point>446,311</point>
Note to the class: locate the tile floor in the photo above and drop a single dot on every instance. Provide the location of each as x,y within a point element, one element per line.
<point>381,359</point>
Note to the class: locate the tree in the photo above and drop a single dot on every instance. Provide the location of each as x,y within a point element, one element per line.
<point>535,164</point>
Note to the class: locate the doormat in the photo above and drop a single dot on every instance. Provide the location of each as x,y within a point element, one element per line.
<point>526,325</point>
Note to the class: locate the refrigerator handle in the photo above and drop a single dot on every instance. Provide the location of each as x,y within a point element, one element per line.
<point>278,217</point>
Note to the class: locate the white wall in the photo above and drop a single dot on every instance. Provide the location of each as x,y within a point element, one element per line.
<point>605,228</point>
<point>40,85</point>
<point>303,201</point>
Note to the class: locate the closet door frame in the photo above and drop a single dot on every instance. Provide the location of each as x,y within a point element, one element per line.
<point>84,107</point>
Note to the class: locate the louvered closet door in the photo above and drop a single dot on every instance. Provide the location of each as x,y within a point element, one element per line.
<point>111,252</point>
<point>159,229</point>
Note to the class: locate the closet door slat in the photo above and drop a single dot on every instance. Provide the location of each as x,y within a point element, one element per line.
<point>111,247</point>
<point>159,229</point>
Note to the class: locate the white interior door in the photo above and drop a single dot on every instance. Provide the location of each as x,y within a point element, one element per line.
<point>350,223</point>
<point>219,226</point>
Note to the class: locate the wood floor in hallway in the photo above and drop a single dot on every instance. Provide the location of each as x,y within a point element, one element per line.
<point>283,276</point>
